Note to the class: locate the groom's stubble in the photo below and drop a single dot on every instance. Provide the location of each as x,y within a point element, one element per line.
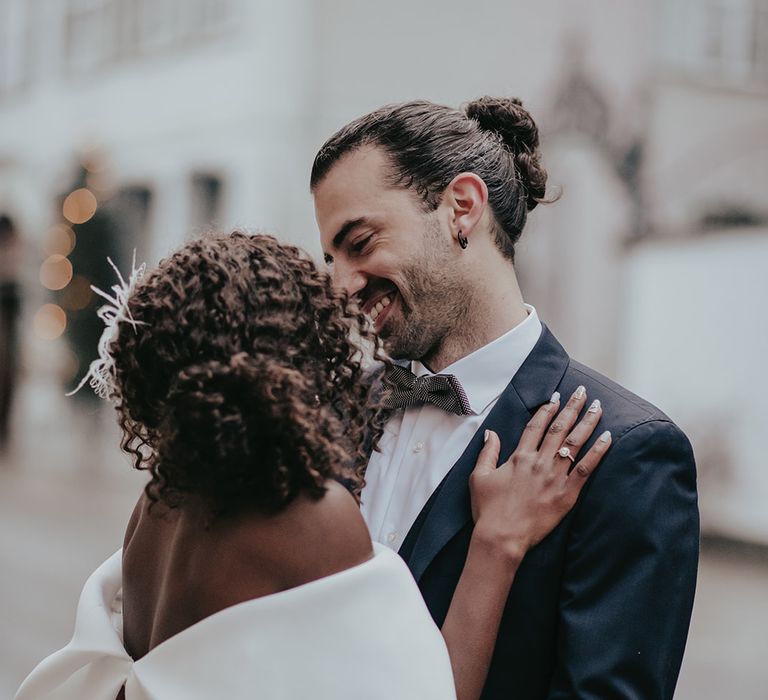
<point>436,301</point>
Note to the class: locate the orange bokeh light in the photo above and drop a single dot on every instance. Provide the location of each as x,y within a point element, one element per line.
<point>49,321</point>
<point>79,206</point>
<point>77,294</point>
<point>60,240</point>
<point>55,272</point>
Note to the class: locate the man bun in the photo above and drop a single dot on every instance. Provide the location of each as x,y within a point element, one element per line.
<point>428,145</point>
<point>507,118</point>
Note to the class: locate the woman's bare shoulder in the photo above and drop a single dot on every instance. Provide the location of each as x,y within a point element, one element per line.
<point>311,538</point>
<point>251,554</point>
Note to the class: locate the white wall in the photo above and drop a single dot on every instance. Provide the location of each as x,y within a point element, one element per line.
<point>570,257</point>
<point>708,145</point>
<point>695,343</point>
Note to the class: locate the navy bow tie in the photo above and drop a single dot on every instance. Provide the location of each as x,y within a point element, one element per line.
<point>442,390</point>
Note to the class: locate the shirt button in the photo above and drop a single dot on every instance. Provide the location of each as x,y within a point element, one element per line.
<point>392,537</point>
<point>418,447</point>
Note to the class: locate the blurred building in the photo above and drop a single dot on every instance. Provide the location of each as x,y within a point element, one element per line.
<point>651,266</point>
<point>696,288</point>
<point>187,113</point>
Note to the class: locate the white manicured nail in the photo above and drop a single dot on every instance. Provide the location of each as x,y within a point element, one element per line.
<point>555,397</point>
<point>487,434</point>
<point>579,392</point>
<point>594,407</point>
<point>605,436</point>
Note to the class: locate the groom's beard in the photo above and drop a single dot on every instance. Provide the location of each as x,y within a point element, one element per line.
<point>433,306</point>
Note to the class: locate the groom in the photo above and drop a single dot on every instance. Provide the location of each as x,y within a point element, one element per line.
<point>419,208</point>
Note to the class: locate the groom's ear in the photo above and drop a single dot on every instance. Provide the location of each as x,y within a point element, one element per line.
<point>466,197</point>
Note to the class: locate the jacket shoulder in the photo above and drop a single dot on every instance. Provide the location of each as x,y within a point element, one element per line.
<point>623,410</point>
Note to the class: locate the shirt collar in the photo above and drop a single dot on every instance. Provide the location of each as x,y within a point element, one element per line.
<point>485,373</point>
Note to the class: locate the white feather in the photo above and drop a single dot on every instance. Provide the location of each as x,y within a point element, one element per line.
<point>101,372</point>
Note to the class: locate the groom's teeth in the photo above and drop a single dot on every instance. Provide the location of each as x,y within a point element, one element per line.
<point>380,305</point>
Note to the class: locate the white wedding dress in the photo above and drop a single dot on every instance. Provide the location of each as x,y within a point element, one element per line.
<point>363,634</point>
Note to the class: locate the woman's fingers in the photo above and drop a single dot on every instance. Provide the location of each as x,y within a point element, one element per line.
<point>536,427</point>
<point>488,458</point>
<point>553,439</point>
<point>482,480</point>
<point>584,428</point>
<point>586,465</point>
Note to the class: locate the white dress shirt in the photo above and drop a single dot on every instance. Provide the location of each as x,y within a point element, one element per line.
<point>421,444</point>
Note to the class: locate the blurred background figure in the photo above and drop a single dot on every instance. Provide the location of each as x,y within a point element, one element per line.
<point>135,124</point>
<point>10,307</point>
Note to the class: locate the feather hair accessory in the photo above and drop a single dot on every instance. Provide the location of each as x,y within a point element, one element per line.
<point>101,372</point>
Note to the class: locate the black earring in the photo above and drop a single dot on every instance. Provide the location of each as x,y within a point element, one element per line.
<point>463,242</point>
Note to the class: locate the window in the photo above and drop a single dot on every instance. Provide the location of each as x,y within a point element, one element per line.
<point>90,28</point>
<point>100,32</point>
<point>207,191</point>
<point>131,209</point>
<point>725,40</point>
<point>15,45</point>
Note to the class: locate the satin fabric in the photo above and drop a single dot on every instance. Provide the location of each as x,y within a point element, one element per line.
<point>361,633</point>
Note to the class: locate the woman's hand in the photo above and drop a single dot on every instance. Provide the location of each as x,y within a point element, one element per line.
<point>514,507</point>
<point>517,504</point>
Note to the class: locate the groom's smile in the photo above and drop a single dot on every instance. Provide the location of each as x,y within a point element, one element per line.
<point>378,304</point>
<point>388,250</point>
<point>362,221</point>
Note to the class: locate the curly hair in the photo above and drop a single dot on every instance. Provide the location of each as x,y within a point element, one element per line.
<point>243,381</point>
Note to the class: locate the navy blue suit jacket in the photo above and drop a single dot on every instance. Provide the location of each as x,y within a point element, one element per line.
<point>601,607</point>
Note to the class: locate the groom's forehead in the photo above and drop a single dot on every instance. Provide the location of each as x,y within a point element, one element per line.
<point>356,187</point>
<point>366,167</point>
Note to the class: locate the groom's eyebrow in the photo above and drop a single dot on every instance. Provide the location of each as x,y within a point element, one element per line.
<point>346,229</point>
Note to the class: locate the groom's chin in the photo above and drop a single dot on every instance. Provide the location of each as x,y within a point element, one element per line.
<point>398,347</point>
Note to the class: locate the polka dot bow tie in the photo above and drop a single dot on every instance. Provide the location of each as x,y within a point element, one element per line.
<point>442,390</point>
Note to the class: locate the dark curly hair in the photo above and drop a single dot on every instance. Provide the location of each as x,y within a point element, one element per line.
<point>242,380</point>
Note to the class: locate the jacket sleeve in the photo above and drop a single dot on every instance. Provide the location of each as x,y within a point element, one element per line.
<point>630,571</point>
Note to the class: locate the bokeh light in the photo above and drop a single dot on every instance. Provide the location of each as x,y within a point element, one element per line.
<point>59,240</point>
<point>77,294</point>
<point>70,365</point>
<point>100,182</point>
<point>55,272</point>
<point>79,206</point>
<point>49,322</point>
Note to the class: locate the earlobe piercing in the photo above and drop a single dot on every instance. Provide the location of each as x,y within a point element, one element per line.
<point>463,242</point>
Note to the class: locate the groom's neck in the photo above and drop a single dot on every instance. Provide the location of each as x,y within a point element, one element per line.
<point>496,307</point>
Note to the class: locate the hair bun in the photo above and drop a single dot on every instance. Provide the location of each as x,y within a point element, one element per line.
<point>224,396</point>
<point>506,117</point>
<point>229,425</point>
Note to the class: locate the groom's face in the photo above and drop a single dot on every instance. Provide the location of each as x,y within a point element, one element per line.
<point>386,250</point>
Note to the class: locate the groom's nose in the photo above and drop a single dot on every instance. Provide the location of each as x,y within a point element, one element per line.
<point>348,277</point>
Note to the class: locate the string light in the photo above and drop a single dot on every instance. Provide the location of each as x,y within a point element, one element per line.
<point>49,321</point>
<point>79,206</point>
<point>59,240</point>
<point>55,272</point>
<point>77,294</point>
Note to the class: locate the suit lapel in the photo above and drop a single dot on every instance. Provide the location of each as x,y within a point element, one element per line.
<point>449,511</point>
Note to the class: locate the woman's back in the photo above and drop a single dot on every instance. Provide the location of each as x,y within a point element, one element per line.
<point>240,391</point>
<point>180,566</point>
<point>349,631</point>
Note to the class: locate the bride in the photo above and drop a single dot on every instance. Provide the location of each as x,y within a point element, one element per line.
<point>247,570</point>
